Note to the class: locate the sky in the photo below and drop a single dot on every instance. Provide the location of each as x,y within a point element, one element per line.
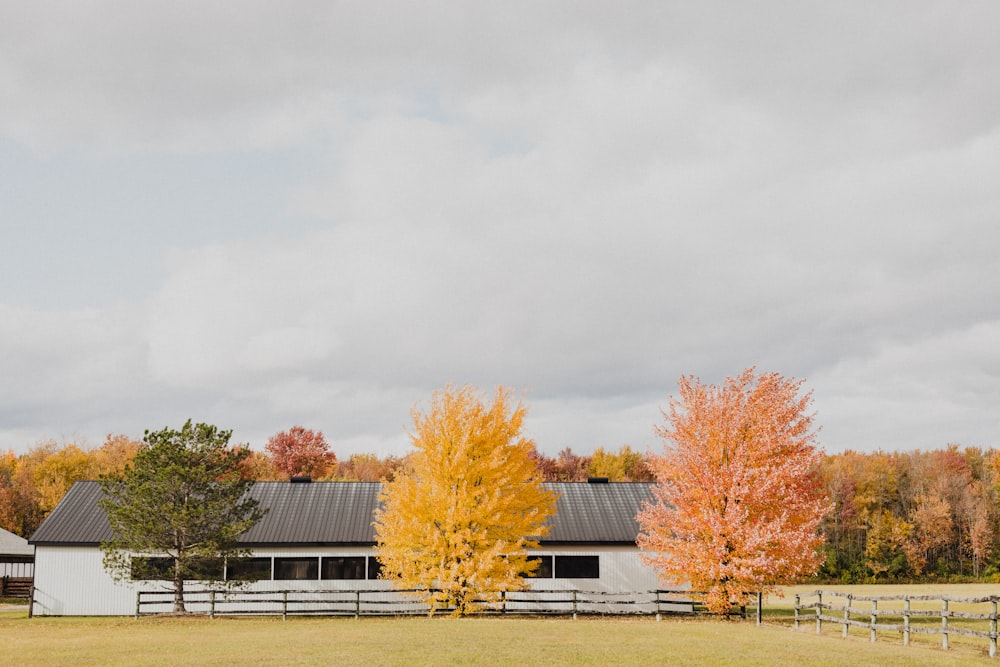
<point>262,214</point>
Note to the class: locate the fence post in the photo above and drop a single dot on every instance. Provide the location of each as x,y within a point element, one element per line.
<point>847,615</point>
<point>138,596</point>
<point>284,605</point>
<point>656,593</point>
<point>31,602</point>
<point>760,610</point>
<point>906,621</point>
<point>797,598</point>
<point>819,612</point>
<point>211,604</point>
<point>944,624</point>
<point>503,603</point>
<point>993,628</point>
<point>357,604</point>
<point>574,605</point>
<point>873,621</point>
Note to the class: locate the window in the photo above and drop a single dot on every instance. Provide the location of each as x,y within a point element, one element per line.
<point>296,568</point>
<point>161,568</point>
<point>544,570</point>
<point>374,568</point>
<point>578,567</point>
<point>206,568</point>
<point>152,568</point>
<point>344,567</point>
<point>249,569</point>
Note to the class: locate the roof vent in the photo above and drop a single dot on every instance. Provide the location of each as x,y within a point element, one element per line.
<point>597,480</point>
<point>304,479</point>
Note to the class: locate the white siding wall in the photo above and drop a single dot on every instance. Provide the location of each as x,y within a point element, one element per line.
<point>73,581</point>
<point>621,571</point>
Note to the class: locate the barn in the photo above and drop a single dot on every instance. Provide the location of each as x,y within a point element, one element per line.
<point>318,536</point>
<point>17,564</point>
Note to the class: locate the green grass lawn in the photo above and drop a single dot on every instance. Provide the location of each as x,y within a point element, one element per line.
<point>424,641</point>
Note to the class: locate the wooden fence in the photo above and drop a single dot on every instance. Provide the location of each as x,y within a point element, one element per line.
<point>876,619</point>
<point>359,603</point>
<point>15,587</point>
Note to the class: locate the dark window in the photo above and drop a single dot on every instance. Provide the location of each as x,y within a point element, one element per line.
<point>544,569</point>
<point>296,568</point>
<point>374,568</point>
<point>578,567</point>
<point>205,568</point>
<point>152,568</point>
<point>162,568</point>
<point>344,567</point>
<point>249,569</point>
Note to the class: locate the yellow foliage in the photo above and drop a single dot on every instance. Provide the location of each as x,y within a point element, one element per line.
<point>56,473</point>
<point>457,523</point>
<point>887,536</point>
<point>620,466</point>
<point>116,453</point>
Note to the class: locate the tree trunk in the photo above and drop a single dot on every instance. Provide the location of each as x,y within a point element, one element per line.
<point>179,607</point>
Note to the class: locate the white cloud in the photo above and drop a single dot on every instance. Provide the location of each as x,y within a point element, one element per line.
<point>583,202</point>
<point>925,394</point>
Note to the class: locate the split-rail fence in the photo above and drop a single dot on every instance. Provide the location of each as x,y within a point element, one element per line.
<point>359,603</point>
<point>905,619</point>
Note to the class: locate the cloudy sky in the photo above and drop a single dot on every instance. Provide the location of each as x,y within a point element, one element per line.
<point>267,214</point>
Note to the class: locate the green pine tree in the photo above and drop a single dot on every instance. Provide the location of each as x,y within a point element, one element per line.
<point>181,498</point>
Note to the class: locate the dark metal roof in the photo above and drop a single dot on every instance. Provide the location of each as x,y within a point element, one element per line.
<point>76,519</point>
<point>340,513</point>
<point>314,514</point>
<point>598,513</point>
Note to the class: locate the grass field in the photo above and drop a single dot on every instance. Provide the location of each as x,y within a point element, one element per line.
<point>476,641</point>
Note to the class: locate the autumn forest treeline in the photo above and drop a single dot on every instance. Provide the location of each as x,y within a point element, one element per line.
<point>898,516</point>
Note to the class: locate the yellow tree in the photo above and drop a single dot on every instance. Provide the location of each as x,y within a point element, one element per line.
<point>737,504</point>
<point>115,454</point>
<point>457,523</point>
<point>886,545</point>
<point>57,469</point>
<point>624,465</point>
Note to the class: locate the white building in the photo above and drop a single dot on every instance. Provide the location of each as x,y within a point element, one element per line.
<point>318,537</point>
<point>17,557</point>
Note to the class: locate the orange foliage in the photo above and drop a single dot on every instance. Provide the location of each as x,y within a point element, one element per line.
<point>32,484</point>
<point>116,453</point>
<point>737,504</point>
<point>301,451</point>
<point>369,468</point>
<point>258,467</point>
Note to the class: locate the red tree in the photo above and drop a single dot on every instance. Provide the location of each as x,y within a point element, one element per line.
<point>737,504</point>
<point>301,451</point>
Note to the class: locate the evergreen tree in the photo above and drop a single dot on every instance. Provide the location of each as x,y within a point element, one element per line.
<point>182,498</point>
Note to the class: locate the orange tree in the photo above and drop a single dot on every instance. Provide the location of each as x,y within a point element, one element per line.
<point>737,502</point>
<point>301,451</point>
<point>457,523</point>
